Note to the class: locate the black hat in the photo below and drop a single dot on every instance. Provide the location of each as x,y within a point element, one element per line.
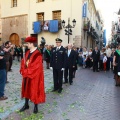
<point>58,40</point>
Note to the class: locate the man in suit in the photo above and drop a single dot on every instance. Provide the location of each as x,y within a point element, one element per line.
<point>96,58</point>
<point>57,63</point>
<point>70,64</point>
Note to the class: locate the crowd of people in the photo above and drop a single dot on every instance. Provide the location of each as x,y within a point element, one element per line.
<point>63,61</point>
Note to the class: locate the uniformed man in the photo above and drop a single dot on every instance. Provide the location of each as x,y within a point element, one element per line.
<point>57,63</point>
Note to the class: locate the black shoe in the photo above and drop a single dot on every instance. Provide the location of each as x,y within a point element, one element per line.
<point>71,83</point>
<point>54,90</point>
<point>97,71</point>
<point>35,111</point>
<point>60,90</point>
<point>7,81</point>
<point>10,70</point>
<point>65,82</point>
<point>25,107</point>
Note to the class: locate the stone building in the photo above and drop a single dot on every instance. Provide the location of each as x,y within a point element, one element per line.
<point>20,17</point>
<point>92,25</point>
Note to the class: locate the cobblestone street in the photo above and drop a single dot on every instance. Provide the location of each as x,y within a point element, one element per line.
<point>93,96</point>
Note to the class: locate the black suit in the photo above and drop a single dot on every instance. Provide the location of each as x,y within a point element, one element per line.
<point>96,58</point>
<point>70,64</point>
<point>57,62</point>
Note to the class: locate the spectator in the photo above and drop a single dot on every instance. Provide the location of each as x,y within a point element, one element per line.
<point>104,61</point>
<point>108,53</point>
<point>96,57</point>
<point>2,76</point>
<point>84,61</point>
<point>47,56</point>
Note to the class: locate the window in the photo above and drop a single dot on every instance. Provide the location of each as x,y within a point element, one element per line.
<point>14,3</point>
<point>57,15</point>
<point>40,17</point>
<point>40,0</point>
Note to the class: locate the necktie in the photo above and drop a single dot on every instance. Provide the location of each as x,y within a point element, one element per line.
<point>57,49</point>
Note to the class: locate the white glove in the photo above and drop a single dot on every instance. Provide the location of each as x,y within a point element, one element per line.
<point>118,73</point>
<point>51,68</point>
<point>62,69</point>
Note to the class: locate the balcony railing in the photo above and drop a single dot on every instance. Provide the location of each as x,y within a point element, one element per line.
<point>86,26</point>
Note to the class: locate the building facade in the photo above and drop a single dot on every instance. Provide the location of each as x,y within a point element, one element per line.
<point>22,18</point>
<point>92,33</point>
<point>115,31</point>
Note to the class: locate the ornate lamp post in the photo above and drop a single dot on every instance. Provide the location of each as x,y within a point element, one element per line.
<point>68,30</point>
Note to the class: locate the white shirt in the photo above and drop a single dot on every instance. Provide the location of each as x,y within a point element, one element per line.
<point>104,59</point>
<point>57,48</point>
<point>33,50</point>
<point>69,51</point>
<point>85,53</point>
<point>108,52</point>
<point>90,53</point>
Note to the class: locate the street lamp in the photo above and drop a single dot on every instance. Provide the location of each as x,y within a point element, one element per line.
<point>68,30</point>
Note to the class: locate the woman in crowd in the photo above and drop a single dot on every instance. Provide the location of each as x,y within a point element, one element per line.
<point>90,56</point>
<point>80,59</point>
<point>15,52</point>
<point>101,59</point>
<point>111,58</point>
<point>75,68</point>
<point>116,64</point>
<point>19,52</point>
<point>47,56</point>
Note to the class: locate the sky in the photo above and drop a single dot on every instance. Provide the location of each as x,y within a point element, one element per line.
<point>108,9</point>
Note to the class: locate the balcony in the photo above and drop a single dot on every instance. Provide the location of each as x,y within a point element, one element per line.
<point>86,26</point>
<point>118,30</point>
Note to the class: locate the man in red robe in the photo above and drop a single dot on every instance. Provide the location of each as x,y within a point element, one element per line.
<point>33,76</point>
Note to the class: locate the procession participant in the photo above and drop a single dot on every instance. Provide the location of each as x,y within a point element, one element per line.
<point>70,64</point>
<point>2,76</point>
<point>57,63</point>
<point>33,76</point>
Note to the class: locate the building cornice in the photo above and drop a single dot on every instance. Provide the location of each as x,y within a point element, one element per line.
<point>13,16</point>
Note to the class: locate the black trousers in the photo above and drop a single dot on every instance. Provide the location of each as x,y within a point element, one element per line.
<point>108,63</point>
<point>57,79</point>
<point>95,65</point>
<point>10,61</point>
<point>101,64</point>
<point>70,71</point>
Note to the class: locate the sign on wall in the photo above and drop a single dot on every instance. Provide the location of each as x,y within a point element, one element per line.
<point>84,10</point>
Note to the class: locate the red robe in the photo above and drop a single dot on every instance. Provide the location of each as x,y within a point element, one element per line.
<point>33,78</point>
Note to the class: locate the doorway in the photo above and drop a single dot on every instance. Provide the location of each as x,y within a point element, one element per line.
<point>14,39</point>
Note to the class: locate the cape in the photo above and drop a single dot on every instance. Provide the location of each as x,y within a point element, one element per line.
<point>33,78</point>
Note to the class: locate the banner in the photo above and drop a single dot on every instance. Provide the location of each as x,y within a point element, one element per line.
<point>84,10</point>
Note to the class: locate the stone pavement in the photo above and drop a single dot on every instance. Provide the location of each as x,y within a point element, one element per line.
<point>13,90</point>
<point>93,96</point>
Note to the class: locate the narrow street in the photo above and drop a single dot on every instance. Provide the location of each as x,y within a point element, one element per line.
<point>93,96</point>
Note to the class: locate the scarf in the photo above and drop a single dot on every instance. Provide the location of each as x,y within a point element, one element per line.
<point>48,52</point>
<point>118,51</point>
